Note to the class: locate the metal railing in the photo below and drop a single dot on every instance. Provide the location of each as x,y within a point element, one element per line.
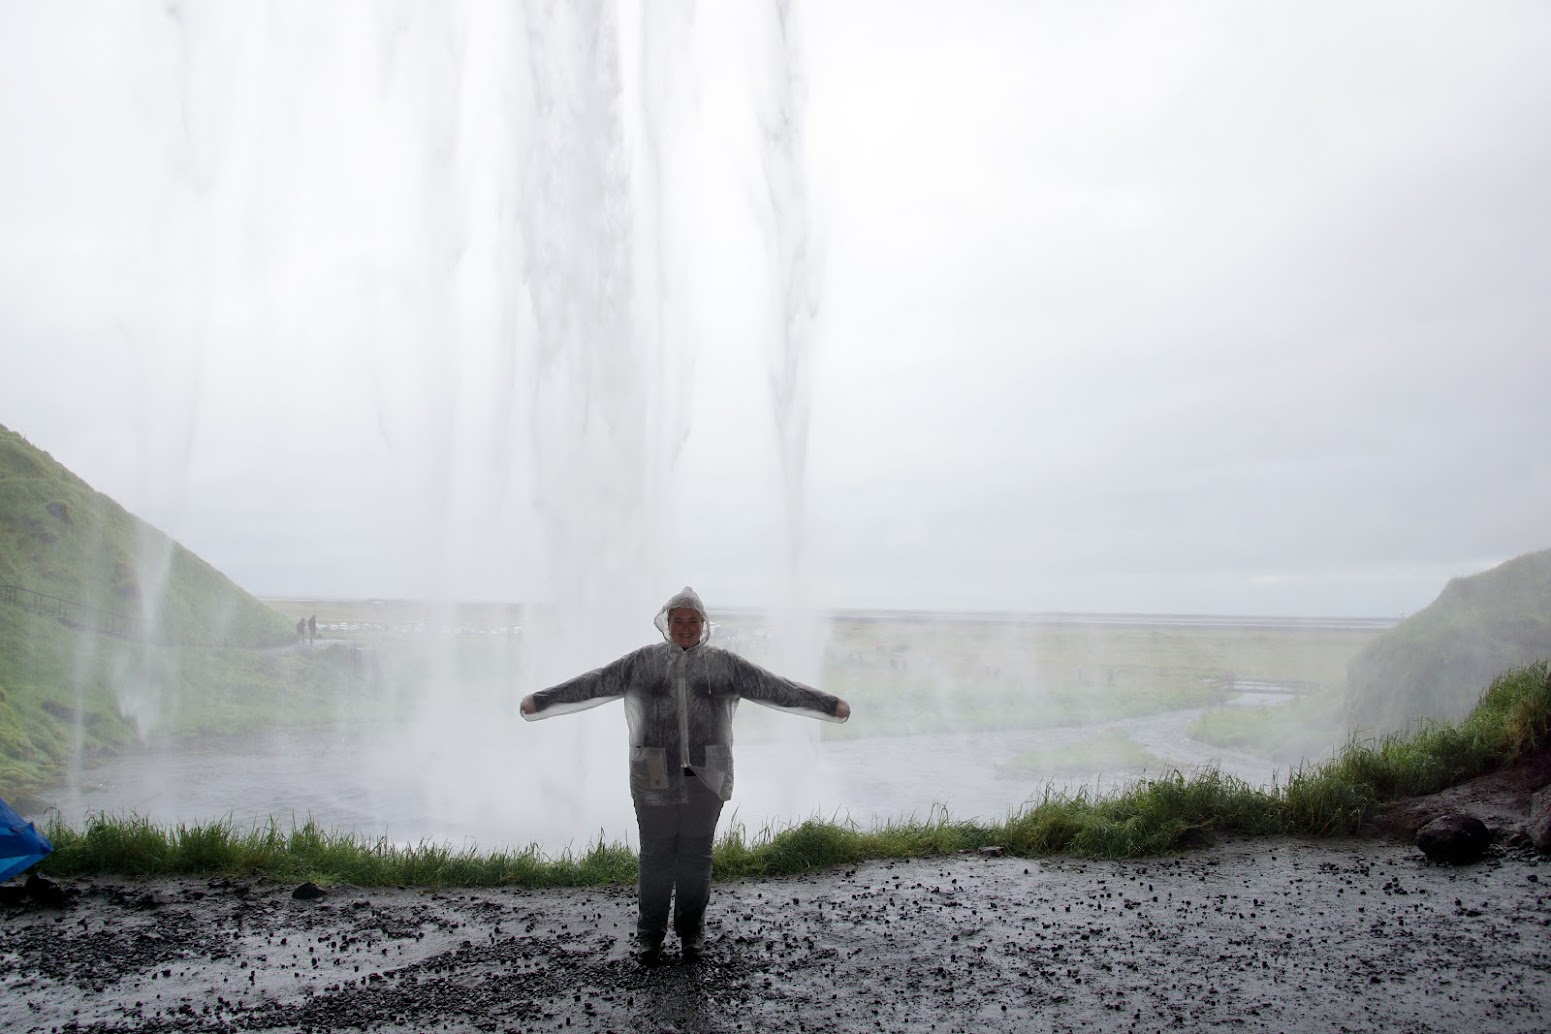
<point>70,612</point>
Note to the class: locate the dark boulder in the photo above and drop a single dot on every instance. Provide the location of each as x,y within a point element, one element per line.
<point>1456,839</point>
<point>308,891</point>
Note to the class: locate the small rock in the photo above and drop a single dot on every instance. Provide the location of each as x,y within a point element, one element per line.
<point>1456,839</point>
<point>1192,837</point>
<point>45,892</point>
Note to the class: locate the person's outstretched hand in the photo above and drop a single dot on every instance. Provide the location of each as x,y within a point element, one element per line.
<point>528,706</point>
<point>842,710</point>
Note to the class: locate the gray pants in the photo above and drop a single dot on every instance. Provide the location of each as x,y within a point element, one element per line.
<point>676,841</point>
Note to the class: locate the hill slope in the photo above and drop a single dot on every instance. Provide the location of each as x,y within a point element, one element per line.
<point>1433,664</point>
<point>185,649</point>
<point>61,537</point>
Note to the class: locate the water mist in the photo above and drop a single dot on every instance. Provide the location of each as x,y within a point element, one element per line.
<point>516,310</point>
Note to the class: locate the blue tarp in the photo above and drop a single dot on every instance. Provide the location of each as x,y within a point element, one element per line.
<point>21,845</point>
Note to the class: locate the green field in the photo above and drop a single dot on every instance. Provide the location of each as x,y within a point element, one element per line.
<point>948,672</point>
<point>67,693</point>
<point>997,674</point>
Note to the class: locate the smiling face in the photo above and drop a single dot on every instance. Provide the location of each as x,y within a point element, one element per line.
<point>684,626</point>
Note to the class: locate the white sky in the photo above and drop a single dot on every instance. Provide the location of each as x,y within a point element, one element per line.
<point>1196,307</point>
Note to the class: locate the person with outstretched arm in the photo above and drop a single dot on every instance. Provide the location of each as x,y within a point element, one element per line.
<point>680,696</point>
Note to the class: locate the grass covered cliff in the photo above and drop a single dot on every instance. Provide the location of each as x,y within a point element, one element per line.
<point>109,629</point>
<point>1431,666</point>
<point>1426,670</point>
<point>61,538</point>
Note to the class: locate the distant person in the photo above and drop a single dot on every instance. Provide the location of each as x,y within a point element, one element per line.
<point>301,630</point>
<point>312,629</point>
<point>680,696</point>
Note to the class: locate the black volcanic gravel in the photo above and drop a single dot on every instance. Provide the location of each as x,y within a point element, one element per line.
<point>1266,935</point>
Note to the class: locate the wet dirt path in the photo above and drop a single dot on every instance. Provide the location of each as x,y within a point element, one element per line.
<point>1278,935</point>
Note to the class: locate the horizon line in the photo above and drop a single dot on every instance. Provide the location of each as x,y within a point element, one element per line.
<point>915,613</point>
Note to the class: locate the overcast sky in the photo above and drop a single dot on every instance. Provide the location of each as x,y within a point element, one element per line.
<point>1196,307</point>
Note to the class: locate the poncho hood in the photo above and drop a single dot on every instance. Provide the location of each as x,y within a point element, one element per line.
<point>685,597</point>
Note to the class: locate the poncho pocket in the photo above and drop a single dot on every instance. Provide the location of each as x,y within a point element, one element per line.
<point>648,768</point>
<point>717,772</point>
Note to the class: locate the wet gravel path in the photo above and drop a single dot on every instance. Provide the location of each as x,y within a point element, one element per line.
<point>1280,935</point>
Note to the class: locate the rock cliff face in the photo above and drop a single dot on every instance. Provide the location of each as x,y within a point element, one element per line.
<point>1434,664</point>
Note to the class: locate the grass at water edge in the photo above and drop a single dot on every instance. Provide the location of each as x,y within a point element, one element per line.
<point>1148,817</point>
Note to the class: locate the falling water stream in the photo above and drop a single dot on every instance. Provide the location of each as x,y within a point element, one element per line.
<point>521,309</point>
<point>531,285</point>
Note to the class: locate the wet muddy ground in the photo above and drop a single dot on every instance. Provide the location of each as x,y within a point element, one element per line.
<point>1265,935</point>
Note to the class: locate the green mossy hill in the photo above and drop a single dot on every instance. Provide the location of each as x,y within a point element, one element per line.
<point>68,695</point>
<point>61,538</point>
<point>1430,666</point>
<point>110,631</point>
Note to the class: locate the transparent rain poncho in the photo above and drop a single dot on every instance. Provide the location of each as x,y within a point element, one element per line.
<point>679,705</point>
